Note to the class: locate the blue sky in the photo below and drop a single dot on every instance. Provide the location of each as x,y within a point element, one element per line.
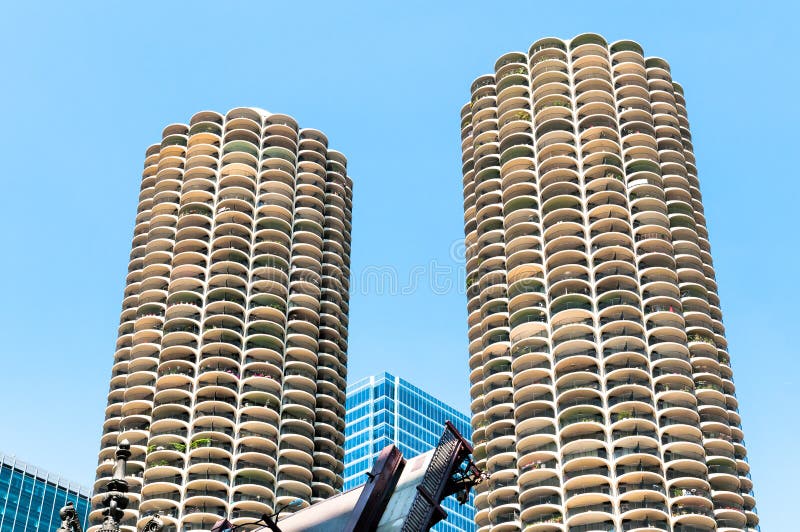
<point>88,86</point>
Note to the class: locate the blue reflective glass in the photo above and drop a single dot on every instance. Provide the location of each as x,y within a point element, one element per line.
<point>30,503</point>
<point>383,410</point>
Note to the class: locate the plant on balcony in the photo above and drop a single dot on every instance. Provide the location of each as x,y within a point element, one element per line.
<point>201,442</point>
<point>522,115</point>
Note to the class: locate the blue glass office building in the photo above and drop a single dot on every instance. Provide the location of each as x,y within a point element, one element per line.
<point>384,409</point>
<point>30,497</point>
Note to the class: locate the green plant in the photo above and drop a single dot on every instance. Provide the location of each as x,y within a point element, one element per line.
<point>201,442</point>
<point>180,447</point>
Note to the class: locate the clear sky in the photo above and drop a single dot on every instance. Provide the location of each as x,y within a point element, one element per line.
<point>86,87</point>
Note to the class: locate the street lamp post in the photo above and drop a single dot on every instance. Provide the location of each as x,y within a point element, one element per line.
<point>116,498</point>
<point>114,502</point>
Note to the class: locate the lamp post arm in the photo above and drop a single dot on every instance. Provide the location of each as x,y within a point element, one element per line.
<point>268,521</point>
<point>69,519</point>
<point>155,524</point>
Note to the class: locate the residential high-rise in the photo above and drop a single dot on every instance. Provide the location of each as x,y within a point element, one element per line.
<point>602,391</point>
<point>30,497</point>
<point>384,409</point>
<point>229,373</point>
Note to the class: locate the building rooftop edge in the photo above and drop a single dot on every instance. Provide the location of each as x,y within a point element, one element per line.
<point>360,383</point>
<point>45,475</point>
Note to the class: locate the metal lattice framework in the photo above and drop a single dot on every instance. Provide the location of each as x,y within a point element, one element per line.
<point>451,470</point>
